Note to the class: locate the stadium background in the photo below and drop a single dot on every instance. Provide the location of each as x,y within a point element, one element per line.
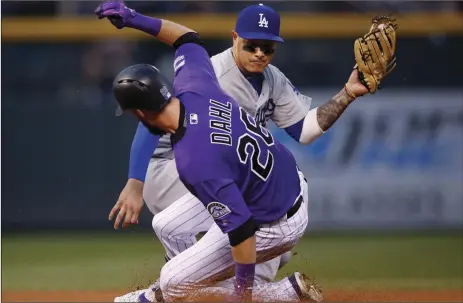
<point>385,182</point>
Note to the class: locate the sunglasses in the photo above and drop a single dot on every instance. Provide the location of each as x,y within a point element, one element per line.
<point>266,48</point>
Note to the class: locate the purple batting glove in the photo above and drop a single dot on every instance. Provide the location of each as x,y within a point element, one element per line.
<point>116,12</point>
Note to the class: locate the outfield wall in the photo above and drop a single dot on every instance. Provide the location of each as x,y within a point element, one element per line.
<point>394,160</point>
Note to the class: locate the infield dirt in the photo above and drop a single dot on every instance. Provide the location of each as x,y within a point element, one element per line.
<point>330,296</point>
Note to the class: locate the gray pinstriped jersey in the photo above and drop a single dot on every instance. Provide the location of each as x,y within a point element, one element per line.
<point>279,100</point>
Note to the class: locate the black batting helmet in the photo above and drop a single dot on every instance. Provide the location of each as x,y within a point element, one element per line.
<point>141,86</point>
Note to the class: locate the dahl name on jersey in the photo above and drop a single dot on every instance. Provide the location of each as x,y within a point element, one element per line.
<point>220,122</point>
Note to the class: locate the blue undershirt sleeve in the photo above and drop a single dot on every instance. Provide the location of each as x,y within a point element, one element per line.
<point>143,145</point>
<point>295,130</point>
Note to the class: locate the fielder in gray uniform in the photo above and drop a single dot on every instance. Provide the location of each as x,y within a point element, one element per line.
<point>262,90</point>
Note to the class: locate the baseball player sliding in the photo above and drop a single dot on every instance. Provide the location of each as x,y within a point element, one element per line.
<point>248,181</point>
<point>264,92</point>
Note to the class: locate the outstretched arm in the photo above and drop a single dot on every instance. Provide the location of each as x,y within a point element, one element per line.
<point>320,119</point>
<point>192,64</point>
<point>130,200</point>
<point>329,112</point>
<point>121,16</point>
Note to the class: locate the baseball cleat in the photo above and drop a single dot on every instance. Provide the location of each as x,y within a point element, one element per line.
<point>309,290</point>
<point>134,296</point>
<point>142,296</point>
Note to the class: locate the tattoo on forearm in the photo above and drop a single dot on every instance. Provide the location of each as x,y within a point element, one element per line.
<point>329,112</point>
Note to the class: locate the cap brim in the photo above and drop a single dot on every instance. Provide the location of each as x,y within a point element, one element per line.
<point>261,36</point>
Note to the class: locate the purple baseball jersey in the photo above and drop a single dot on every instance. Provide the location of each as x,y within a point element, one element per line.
<point>232,165</point>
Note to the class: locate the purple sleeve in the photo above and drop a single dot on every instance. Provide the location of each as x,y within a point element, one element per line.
<point>224,202</point>
<point>193,70</point>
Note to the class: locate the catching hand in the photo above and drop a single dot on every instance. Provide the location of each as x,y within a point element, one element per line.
<point>375,52</point>
<point>129,204</point>
<point>116,12</point>
<point>355,86</point>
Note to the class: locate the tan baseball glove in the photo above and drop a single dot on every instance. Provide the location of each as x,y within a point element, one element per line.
<point>375,52</point>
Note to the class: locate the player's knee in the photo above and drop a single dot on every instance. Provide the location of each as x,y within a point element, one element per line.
<point>165,228</point>
<point>165,282</point>
<point>159,223</point>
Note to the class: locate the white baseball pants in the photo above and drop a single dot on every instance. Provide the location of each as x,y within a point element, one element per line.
<point>210,259</point>
<point>180,216</point>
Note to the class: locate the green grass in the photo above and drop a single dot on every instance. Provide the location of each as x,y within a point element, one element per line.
<point>413,261</point>
<point>96,261</point>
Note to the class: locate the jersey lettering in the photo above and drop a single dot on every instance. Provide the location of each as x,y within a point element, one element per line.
<point>225,126</point>
<point>247,141</point>
<point>220,110</point>
<point>265,112</point>
<point>217,138</point>
<point>220,115</point>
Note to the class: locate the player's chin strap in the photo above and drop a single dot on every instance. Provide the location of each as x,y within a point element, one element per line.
<point>180,132</point>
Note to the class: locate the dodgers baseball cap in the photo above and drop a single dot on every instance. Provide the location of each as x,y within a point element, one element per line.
<point>259,22</point>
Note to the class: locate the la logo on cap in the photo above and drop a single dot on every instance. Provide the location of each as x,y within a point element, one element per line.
<point>263,22</point>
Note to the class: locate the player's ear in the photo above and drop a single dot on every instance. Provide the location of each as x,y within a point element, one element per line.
<point>138,113</point>
<point>234,36</point>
